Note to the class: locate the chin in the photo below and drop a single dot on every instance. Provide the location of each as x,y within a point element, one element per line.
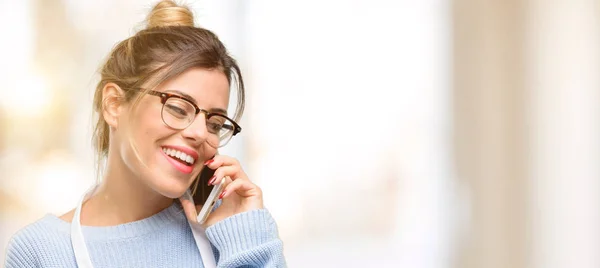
<point>169,186</point>
<point>168,181</point>
<point>172,192</point>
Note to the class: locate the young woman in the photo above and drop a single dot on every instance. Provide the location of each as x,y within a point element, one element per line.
<point>162,103</point>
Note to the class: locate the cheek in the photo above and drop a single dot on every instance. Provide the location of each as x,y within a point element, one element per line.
<point>148,122</point>
<point>208,153</point>
<point>144,127</point>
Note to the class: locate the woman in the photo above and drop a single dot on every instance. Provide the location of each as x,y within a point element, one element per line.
<point>162,103</point>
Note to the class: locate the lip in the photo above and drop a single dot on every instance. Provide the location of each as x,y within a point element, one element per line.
<point>178,165</point>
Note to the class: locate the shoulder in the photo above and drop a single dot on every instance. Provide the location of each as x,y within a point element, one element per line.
<point>40,238</point>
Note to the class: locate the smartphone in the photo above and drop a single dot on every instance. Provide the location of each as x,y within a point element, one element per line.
<point>202,189</point>
<point>210,201</point>
<point>206,195</point>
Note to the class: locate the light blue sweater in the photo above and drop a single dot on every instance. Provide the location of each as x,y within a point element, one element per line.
<point>247,239</point>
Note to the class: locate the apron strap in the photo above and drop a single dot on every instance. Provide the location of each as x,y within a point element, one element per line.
<point>82,256</point>
<point>204,247</point>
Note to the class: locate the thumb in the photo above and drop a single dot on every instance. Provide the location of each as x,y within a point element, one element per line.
<point>190,210</point>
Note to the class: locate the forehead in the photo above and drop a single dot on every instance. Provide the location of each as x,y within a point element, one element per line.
<point>208,88</point>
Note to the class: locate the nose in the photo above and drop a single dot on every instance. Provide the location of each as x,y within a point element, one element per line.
<point>197,131</point>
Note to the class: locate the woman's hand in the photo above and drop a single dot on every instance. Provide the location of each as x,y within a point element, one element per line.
<point>239,194</point>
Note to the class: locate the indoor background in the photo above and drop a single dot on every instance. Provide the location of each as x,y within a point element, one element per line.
<point>430,133</point>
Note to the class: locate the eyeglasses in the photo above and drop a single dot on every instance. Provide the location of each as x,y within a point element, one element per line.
<point>178,113</point>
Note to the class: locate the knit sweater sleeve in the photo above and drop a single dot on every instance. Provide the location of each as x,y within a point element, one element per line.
<point>20,253</point>
<point>248,239</point>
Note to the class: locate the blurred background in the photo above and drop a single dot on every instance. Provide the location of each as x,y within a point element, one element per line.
<point>431,133</point>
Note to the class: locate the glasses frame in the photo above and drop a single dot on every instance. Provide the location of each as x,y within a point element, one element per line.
<point>165,96</point>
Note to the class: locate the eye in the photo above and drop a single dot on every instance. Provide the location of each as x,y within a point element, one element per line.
<point>177,110</point>
<point>214,125</point>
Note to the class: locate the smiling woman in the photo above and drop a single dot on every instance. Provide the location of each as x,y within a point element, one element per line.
<point>162,104</point>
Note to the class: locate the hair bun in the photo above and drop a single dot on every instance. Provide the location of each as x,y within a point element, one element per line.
<point>167,13</point>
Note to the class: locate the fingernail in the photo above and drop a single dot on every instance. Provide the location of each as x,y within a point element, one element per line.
<point>212,180</point>
<point>209,161</point>
<point>222,194</point>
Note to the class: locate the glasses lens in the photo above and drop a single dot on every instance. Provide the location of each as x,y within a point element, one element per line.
<point>222,129</point>
<point>178,113</point>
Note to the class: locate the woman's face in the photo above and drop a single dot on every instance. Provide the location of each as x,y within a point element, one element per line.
<point>156,142</point>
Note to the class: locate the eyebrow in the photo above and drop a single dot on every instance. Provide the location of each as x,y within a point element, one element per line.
<point>218,111</point>
<point>212,110</point>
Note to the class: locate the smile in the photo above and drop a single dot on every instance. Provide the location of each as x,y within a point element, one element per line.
<point>179,156</point>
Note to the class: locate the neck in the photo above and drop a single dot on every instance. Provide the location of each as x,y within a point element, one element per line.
<point>121,198</point>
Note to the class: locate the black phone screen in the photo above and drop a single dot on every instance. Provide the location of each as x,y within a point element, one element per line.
<point>203,189</point>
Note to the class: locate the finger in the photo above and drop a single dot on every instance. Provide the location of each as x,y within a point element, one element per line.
<point>234,172</point>
<point>198,208</point>
<point>243,188</point>
<point>221,160</point>
<point>226,181</point>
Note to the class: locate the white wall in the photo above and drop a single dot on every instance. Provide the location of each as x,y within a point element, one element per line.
<point>563,51</point>
<point>348,126</point>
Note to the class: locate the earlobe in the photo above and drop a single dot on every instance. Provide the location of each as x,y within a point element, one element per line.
<point>112,96</point>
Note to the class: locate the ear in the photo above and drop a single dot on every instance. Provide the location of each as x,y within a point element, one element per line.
<point>112,103</point>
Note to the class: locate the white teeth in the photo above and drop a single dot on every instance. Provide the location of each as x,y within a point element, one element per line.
<point>178,154</point>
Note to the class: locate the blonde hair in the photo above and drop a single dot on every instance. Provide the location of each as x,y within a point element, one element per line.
<point>169,45</point>
<point>167,13</point>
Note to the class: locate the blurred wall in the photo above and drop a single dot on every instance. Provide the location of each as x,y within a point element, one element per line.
<point>350,119</point>
<point>563,78</point>
<point>527,116</point>
<point>489,134</point>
